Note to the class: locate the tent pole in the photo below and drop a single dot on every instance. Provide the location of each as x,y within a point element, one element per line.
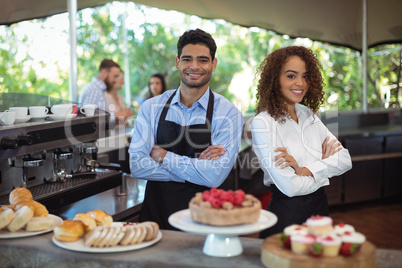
<point>364,56</point>
<point>72,15</point>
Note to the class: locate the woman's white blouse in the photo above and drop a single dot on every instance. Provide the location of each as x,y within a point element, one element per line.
<point>303,141</point>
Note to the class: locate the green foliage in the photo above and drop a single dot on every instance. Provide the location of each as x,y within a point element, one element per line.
<point>152,48</point>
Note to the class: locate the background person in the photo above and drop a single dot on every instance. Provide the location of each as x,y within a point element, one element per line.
<point>115,102</point>
<point>156,86</point>
<point>185,140</point>
<point>94,92</point>
<point>296,151</point>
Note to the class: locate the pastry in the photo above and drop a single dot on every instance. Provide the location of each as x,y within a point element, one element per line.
<point>39,224</point>
<point>301,243</point>
<point>331,244</point>
<point>101,217</point>
<point>319,225</point>
<point>292,230</point>
<point>351,243</point>
<point>22,217</point>
<point>20,195</point>
<point>224,208</point>
<point>88,222</point>
<point>342,228</point>
<point>68,231</point>
<point>6,216</point>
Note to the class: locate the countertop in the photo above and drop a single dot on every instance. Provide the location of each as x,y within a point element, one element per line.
<point>120,206</point>
<point>175,249</point>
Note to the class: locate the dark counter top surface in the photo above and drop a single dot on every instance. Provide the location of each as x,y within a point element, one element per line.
<point>120,206</point>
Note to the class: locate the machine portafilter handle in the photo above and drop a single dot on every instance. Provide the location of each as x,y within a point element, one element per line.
<point>62,175</point>
<point>29,162</point>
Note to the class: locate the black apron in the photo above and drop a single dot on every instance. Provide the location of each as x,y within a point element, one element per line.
<point>294,210</point>
<point>163,198</point>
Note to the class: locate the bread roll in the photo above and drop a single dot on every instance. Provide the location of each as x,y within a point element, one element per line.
<point>30,204</point>
<point>92,236</point>
<point>152,229</point>
<point>39,224</point>
<point>22,217</point>
<point>20,195</point>
<point>88,222</point>
<point>6,217</point>
<point>128,235</point>
<point>101,217</point>
<point>68,231</point>
<point>40,210</point>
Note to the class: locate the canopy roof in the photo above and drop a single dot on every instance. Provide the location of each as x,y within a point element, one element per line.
<point>337,22</point>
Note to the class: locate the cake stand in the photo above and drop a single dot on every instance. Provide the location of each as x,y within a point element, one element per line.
<point>221,241</point>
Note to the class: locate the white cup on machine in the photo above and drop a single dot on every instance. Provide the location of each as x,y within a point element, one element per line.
<point>20,112</point>
<point>7,117</point>
<point>62,109</point>
<point>38,111</point>
<point>88,109</point>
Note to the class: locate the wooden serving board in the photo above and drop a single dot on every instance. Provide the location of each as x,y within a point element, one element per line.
<point>274,255</point>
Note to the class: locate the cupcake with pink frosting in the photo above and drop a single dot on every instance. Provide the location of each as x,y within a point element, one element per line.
<point>300,243</point>
<point>292,230</point>
<point>343,228</point>
<point>351,243</point>
<point>319,225</point>
<point>331,244</point>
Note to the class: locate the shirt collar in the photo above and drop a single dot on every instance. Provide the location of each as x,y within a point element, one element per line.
<point>203,101</point>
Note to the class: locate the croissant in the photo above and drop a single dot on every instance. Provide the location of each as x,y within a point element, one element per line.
<point>40,210</point>
<point>101,217</point>
<point>20,195</point>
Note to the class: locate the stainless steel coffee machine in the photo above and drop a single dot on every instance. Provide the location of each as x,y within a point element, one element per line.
<point>56,159</point>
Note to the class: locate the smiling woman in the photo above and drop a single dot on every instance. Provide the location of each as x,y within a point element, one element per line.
<point>295,150</point>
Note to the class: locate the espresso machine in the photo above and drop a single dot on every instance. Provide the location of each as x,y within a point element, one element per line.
<point>56,160</point>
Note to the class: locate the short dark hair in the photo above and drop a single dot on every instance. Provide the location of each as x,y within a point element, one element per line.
<point>107,64</point>
<point>196,37</point>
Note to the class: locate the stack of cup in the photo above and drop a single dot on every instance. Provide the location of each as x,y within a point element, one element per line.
<point>7,117</point>
<point>21,114</point>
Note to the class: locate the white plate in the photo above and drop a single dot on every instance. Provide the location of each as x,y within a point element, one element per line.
<point>62,117</point>
<point>22,233</point>
<point>80,246</point>
<point>182,220</point>
<point>23,120</point>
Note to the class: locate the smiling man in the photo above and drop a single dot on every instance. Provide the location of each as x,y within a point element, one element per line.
<point>186,140</point>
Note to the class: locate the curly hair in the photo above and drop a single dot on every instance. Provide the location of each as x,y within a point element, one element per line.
<point>269,97</point>
<point>196,37</point>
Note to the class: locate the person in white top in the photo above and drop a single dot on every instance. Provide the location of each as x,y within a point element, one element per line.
<point>115,102</point>
<point>296,151</point>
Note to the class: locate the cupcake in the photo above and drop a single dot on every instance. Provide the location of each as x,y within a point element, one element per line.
<point>351,243</point>
<point>301,243</point>
<point>331,244</point>
<point>292,230</point>
<point>342,228</point>
<point>319,225</point>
